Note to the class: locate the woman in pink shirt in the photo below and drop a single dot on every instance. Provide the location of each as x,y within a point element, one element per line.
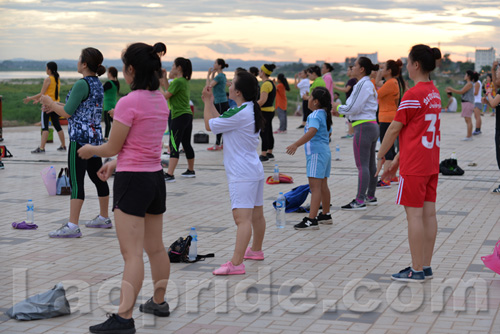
<point>140,119</point>
<point>326,72</point>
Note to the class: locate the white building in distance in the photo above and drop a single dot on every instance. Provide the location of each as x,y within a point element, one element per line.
<point>484,57</point>
<point>372,56</point>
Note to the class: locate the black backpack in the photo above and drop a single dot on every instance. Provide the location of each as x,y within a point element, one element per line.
<point>179,251</point>
<point>450,167</point>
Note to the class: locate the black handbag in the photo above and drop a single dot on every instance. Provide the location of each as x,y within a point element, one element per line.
<point>201,137</point>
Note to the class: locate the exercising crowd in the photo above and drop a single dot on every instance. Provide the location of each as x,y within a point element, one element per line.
<point>378,105</point>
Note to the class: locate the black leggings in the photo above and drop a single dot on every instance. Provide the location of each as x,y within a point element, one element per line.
<point>181,128</point>
<point>107,122</point>
<point>305,110</point>
<point>54,118</point>
<point>392,151</point>
<point>267,133</point>
<point>221,108</point>
<point>77,169</point>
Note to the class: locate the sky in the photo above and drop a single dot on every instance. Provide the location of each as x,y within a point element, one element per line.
<point>271,30</point>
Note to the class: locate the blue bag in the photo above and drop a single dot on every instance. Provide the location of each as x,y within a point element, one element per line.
<point>63,186</point>
<point>295,197</point>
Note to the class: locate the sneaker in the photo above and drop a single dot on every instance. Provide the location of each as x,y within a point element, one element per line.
<point>324,218</point>
<point>114,326</point>
<point>2,166</point>
<point>270,156</point>
<point>62,149</point>
<point>347,136</point>
<point>160,310</point>
<point>383,184</point>
<point>99,222</point>
<point>263,158</point>
<point>476,132</point>
<point>496,190</point>
<point>66,232</point>
<point>279,131</point>
<point>395,179</point>
<point>428,273</point>
<point>409,275</point>
<point>169,178</point>
<point>371,202</point>
<point>307,224</point>
<point>301,126</point>
<point>189,173</point>
<point>229,268</point>
<point>215,148</point>
<point>467,139</point>
<point>254,255</point>
<point>38,150</point>
<point>354,206</point>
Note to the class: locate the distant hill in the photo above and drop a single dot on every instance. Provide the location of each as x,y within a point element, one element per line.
<point>199,64</point>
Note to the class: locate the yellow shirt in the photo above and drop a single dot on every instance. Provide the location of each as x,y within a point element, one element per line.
<point>268,88</point>
<point>51,91</point>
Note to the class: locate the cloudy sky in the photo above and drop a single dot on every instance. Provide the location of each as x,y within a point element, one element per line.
<point>248,29</point>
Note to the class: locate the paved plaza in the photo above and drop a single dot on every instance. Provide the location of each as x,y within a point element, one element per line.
<point>335,280</point>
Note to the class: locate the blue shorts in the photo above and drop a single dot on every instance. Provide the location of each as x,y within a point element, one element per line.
<point>319,165</point>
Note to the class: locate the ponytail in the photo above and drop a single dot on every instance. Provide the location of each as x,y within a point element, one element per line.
<point>325,102</point>
<point>185,64</point>
<point>367,64</point>
<point>247,84</point>
<point>52,66</point>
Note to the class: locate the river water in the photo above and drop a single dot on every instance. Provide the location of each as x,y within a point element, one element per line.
<point>9,75</point>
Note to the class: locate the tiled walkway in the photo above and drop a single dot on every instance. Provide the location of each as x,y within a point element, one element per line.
<point>334,280</point>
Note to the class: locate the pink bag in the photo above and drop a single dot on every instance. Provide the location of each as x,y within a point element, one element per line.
<point>492,261</point>
<point>49,179</point>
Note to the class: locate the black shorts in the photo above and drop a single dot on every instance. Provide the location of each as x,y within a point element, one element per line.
<point>138,193</point>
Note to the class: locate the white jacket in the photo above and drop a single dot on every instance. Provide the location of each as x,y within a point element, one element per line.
<point>363,103</point>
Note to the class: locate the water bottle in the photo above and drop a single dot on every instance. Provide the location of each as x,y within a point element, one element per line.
<point>337,152</point>
<point>193,249</point>
<point>280,211</point>
<point>276,175</point>
<point>30,210</point>
<point>453,156</point>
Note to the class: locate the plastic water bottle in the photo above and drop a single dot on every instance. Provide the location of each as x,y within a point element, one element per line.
<point>337,152</point>
<point>280,211</point>
<point>276,175</point>
<point>193,249</point>
<point>453,156</point>
<point>30,211</point>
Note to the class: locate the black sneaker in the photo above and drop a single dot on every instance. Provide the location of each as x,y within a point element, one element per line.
<point>301,126</point>
<point>263,158</point>
<point>38,150</point>
<point>324,218</point>
<point>114,326</point>
<point>188,173</point>
<point>307,224</point>
<point>169,178</point>
<point>62,149</point>
<point>160,310</point>
<point>371,202</point>
<point>354,206</point>
<point>270,156</point>
<point>2,165</point>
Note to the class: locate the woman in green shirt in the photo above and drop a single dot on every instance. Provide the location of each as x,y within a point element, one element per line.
<point>314,74</point>
<point>181,126</point>
<point>111,89</point>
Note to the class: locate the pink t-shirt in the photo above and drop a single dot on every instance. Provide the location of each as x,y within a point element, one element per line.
<point>146,113</point>
<point>329,83</point>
